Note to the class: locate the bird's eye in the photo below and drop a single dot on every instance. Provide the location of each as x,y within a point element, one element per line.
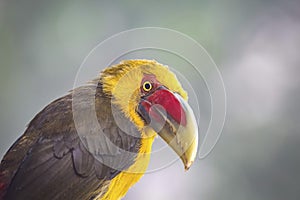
<point>147,86</point>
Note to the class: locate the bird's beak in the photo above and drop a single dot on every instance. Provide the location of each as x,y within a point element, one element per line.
<point>174,121</point>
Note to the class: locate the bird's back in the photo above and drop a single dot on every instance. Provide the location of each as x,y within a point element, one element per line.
<point>50,161</point>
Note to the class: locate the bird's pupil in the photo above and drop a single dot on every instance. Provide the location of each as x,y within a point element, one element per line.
<point>147,86</point>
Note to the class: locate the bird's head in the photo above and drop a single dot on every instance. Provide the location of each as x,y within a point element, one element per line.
<point>150,95</point>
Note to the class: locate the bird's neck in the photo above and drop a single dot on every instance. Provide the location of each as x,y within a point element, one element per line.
<point>119,186</point>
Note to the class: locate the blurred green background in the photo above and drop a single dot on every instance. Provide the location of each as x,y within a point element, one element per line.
<point>256,45</point>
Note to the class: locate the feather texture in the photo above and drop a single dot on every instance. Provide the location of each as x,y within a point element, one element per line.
<point>50,161</point>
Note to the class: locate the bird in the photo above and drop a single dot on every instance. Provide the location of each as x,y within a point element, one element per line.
<point>95,142</point>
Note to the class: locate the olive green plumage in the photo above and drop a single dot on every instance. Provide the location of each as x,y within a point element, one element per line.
<point>50,161</point>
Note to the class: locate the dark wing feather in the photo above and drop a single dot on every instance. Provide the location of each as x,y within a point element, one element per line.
<point>51,161</point>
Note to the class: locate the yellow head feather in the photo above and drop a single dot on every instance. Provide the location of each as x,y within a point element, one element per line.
<point>122,82</point>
